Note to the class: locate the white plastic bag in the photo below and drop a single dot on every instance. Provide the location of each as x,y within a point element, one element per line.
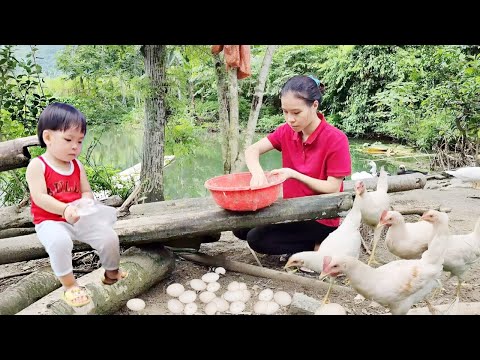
<point>94,213</point>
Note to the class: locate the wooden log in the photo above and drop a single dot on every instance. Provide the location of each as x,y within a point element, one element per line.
<point>264,272</point>
<point>14,153</point>
<point>19,216</point>
<point>12,216</point>
<point>28,290</point>
<point>146,267</point>
<point>7,233</point>
<point>15,217</point>
<point>396,183</point>
<point>162,228</point>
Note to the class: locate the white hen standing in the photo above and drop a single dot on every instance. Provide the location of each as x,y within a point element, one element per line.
<point>345,240</point>
<point>461,252</point>
<point>469,174</point>
<point>399,284</point>
<point>406,240</point>
<point>372,204</point>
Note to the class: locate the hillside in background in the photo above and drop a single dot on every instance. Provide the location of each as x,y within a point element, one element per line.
<point>45,57</point>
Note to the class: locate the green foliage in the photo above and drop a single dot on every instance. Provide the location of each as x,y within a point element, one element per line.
<point>181,136</point>
<point>22,97</point>
<point>269,123</point>
<point>13,187</point>
<point>435,99</point>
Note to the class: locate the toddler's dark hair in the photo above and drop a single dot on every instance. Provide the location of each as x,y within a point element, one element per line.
<point>304,87</point>
<point>60,116</point>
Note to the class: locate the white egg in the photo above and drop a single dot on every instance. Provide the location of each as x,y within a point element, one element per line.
<point>272,307</point>
<point>245,295</point>
<point>211,308</point>
<point>190,309</point>
<point>232,296</point>
<point>242,286</point>
<point>220,270</point>
<point>222,304</point>
<point>213,286</point>
<point>210,277</point>
<point>237,307</point>
<point>331,309</point>
<point>175,306</point>
<point>175,290</point>
<point>206,297</point>
<point>282,298</point>
<point>233,286</point>
<point>136,304</point>
<point>260,307</point>
<point>188,297</point>
<point>266,295</point>
<point>198,284</point>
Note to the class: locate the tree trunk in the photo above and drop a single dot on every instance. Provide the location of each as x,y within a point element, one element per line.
<point>14,153</point>
<point>15,217</point>
<point>145,267</point>
<point>174,219</point>
<point>28,290</point>
<point>256,106</point>
<point>233,132</point>
<point>222,95</point>
<point>196,222</point>
<point>7,233</point>
<point>151,176</point>
<point>12,217</point>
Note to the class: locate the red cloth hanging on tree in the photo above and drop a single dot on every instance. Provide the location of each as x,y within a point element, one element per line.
<point>236,56</point>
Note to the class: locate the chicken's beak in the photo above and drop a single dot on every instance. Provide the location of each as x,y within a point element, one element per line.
<point>323,275</point>
<point>291,263</point>
<point>380,224</point>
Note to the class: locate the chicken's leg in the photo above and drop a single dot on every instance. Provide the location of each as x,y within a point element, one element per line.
<point>325,299</point>
<point>376,237</point>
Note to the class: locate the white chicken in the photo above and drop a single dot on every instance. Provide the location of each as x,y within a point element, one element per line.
<point>372,204</point>
<point>406,240</point>
<point>345,240</point>
<point>468,174</point>
<point>399,284</point>
<point>461,252</point>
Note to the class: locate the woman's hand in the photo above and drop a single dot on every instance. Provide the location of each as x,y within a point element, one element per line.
<point>70,214</point>
<point>258,180</point>
<point>287,173</point>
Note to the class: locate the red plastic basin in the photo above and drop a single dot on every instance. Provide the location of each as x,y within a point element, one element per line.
<point>232,191</point>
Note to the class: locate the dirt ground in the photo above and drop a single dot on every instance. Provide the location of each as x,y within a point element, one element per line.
<point>465,210</point>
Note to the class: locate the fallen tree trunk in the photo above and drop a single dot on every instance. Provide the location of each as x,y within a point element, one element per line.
<point>396,183</point>
<point>14,153</point>
<point>145,267</point>
<point>263,272</point>
<point>162,228</point>
<point>28,290</point>
<point>7,233</point>
<point>20,217</point>
<point>15,217</point>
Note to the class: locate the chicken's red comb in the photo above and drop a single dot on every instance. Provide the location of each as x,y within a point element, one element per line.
<point>326,261</point>
<point>384,213</point>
